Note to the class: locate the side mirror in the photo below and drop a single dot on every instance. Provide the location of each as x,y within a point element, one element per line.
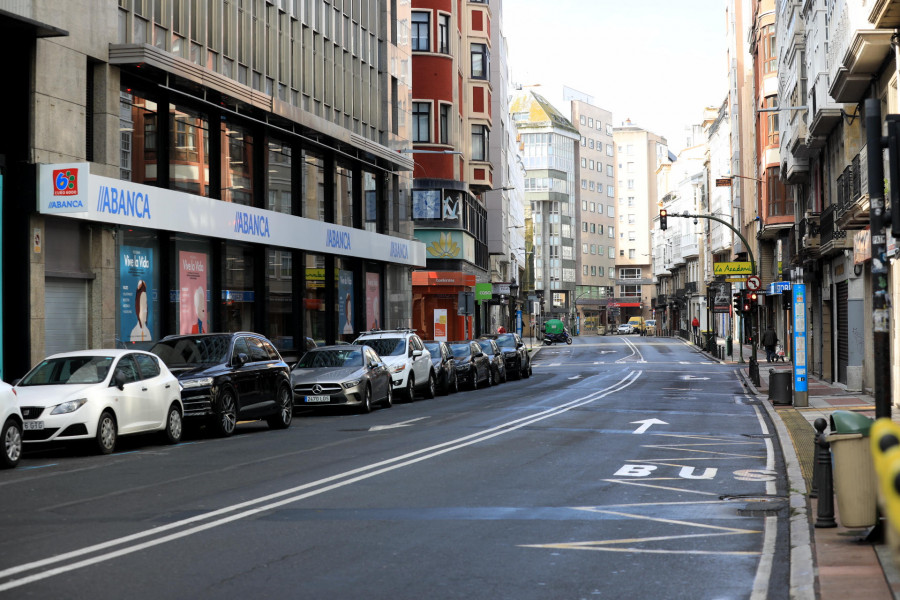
<point>119,380</point>
<point>241,359</point>
<point>416,353</point>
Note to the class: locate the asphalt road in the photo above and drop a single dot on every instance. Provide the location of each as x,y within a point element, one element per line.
<point>626,467</point>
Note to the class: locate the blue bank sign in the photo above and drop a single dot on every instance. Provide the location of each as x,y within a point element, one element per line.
<point>71,190</point>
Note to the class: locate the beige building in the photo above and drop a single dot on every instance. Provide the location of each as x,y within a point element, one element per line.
<point>640,154</point>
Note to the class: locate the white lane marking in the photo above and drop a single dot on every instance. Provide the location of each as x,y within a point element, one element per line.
<point>396,425</point>
<point>767,555</point>
<point>646,424</point>
<point>336,481</point>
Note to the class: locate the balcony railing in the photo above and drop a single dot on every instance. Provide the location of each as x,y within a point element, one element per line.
<point>829,233</point>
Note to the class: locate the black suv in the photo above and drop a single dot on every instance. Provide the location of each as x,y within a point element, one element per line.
<point>515,354</point>
<point>229,377</point>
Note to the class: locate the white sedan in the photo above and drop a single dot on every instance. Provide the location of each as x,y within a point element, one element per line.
<point>11,432</point>
<point>99,395</point>
<point>625,328</point>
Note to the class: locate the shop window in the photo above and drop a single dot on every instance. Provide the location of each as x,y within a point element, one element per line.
<point>138,137</point>
<point>137,295</point>
<point>278,175</point>
<point>370,183</point>
<point>237,164</point>
<point>345,307</point>
<point>343,196</point>
<point>373,299</point>
<point>189,151</point>
<point>313,186</point>
<point>282,322</point>
<point>314,297</point>
<point>237,288</point>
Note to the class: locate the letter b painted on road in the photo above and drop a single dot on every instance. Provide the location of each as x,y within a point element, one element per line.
<point>635,471</point>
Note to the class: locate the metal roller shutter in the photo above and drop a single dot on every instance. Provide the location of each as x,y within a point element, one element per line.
<point>65,323</point>
<point>843,332</point>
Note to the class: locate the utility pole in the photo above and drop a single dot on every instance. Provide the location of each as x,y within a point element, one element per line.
<point>881,319</point>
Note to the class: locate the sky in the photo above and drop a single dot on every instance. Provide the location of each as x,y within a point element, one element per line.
<point>655,62</point>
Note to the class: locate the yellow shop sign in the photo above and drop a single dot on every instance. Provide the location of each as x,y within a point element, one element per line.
<point>732,268</point>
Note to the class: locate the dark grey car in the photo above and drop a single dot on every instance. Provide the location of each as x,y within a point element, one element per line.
<point>341,375</point>
<point>498,367</point>
<point>515,354</point>
<point>472,365</point>
<point>444,366</point>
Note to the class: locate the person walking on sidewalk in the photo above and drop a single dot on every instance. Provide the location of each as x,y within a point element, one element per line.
<point>769,339</point>
<point>695,325</point>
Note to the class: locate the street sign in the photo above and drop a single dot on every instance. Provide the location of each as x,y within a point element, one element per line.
<point>753,282</point>
<point>465,303</point>
<point>723,182</point>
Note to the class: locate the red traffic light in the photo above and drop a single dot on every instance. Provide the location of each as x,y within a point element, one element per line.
<point>663,213</point>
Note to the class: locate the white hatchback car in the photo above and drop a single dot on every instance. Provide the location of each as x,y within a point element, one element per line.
<point>99,395</point>
<point>406,357</point>
<point>11,432</point>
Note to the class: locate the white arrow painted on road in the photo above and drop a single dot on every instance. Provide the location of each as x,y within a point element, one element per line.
<point>692,378</point>
<point>646,424</point>
<point>396,425</point>
<point>608,351</point>
<point>576,377</point>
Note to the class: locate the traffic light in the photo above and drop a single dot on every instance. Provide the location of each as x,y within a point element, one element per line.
<point>745,301</point>
<point>662,219</point>
<point>736,302</point>
<point>754,300</point>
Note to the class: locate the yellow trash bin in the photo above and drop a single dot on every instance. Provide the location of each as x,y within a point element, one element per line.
<point>855,484</point>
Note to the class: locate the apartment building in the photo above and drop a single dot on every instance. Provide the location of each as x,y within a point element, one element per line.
<point>203,166</point>
<point>595,214</point>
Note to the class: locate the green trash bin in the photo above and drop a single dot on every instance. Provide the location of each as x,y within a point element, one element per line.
<point>855,483</point>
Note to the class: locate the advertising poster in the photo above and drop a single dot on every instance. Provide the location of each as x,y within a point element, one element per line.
<point>136,322</point>
<point>373,301</point>
<point>451,206</point>
<point>798,291</point>
<point>440,324</point>
<point>426,204</point>
<point>345,301</point>
<point>193,296</point>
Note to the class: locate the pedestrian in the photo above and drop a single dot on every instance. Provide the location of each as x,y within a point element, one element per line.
<point>695,325</point>
<point>769,339</point>
<point>501,329</point>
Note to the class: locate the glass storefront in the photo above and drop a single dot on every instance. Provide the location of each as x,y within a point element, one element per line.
<point>343,197</point>
<point>190,282</point>
<point>189,151</point>
<point>312,186</point>
<point>280,316</point>
<point>314,298</point>
<point>345,306</point>
<point>238,295</point>
<point>138,292</point>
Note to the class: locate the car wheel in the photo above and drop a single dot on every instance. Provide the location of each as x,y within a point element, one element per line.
<point>429,390</point>
<point>474,381</point>
<point>365,403</point>
<point>445,387</point>
<point>504,379</point>
<point>455,386</point>
<point>528,371</point>
<point>490,377</point>
<point>173,425</point>
<point>227,417</point>
<point>106,433</point>
<point>11,437</point>
<point>389,401</point>
<point>285,401</point>
<point>411,388</point>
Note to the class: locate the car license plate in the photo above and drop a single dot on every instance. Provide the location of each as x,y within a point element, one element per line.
<point>34,425</point>
<point>318,398</point>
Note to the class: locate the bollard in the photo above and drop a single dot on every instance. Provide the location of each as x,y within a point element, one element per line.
<point>820,425</point>
<point>754,369</point>
<point>825,511</point>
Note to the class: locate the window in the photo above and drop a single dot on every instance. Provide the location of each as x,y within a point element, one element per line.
<point>593,271</point>
<point>590,122</point>
<point>421,31</point>
<point>612,231</point>
<point>480,142</point>
<point>584,226</point>
<point>444,34</point>
<point>610,191</point>
<point>421,122</point>
<point>770,58</point>
<point>631,253</point>
<point>481,67</point>
<point>593,207</point>
<point>609,150</point>
<point>445,123</point>
<point>584,248</point>
<point>593,249</point>
<point>584,163</point>
<point>609,170</point>
<point>632,236</point>
<point>771,122</point>
<point>593,228</point>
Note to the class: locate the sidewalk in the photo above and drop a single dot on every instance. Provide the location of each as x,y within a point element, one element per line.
<point>827,563</point>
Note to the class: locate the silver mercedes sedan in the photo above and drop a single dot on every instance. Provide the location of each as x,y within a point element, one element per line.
<point>341,375</point>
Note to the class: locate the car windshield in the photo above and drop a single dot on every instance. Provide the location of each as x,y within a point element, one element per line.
<point>193,350</point>
<point>385,346</point>
<point>318,359</point>
<point>461,350</point>
<point>69,369</point>
<point>506,340</point>
<point>486,346</point>
<point>434,348</point>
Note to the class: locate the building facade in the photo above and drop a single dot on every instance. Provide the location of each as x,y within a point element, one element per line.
<point>212,166</point>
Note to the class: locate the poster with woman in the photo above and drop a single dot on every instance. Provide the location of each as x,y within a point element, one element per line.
<point>373,301</point>
<point>345,301</point>
<point>135,280</point>
<point>192,284</point>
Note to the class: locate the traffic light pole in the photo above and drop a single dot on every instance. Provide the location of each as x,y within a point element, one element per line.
<point>686,215</point>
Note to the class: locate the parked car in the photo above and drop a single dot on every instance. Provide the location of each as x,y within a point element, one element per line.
<point>650,327</point>
<point>406,357</point>
<point>624,328</point>
<point>515,354</point>
<point>473,366</point>
<point>229,377</point>
<point>498,367</point>
<point>444,366</point>
<point>99,395</point>
<point>341,375</point>
<point>11,432</point>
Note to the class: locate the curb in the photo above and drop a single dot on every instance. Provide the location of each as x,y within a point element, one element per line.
<point>803,575</point>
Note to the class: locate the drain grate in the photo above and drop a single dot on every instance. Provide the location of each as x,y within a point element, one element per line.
<point>759,505</point>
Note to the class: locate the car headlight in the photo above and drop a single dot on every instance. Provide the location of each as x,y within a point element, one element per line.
<point>67,407</point>
<point>398,368</point>
<point>196,383</point>
<point>351,383</point>
<point>462,366</point>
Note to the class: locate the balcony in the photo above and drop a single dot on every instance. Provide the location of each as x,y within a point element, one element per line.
<point>825,113</point>
<point>885,14</point>
<point>834,240</point>
<point>808,236</point>
<point>861,63</point>
<point>852,208</point>
<point>691,288</point>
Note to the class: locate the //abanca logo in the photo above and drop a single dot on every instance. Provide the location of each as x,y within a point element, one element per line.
<point>65,182</point>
